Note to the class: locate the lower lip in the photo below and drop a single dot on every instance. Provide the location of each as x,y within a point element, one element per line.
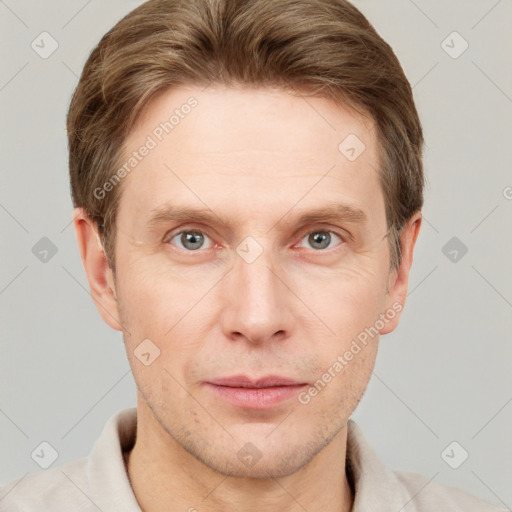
<point>257,398</point>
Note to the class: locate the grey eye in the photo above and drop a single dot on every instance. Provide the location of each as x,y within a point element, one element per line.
<point>190,240</point>
<point>320,239</point>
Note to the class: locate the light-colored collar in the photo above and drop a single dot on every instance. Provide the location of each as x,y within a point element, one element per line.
<point>376,486</point>
<point>106,470</point>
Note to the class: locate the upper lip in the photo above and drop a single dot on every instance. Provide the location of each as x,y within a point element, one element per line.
<point>242,381</point>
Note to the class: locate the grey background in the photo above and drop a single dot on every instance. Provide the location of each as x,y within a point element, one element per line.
<point>443,375</point>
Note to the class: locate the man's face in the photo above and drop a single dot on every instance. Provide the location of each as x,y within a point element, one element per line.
<point>251,290</point>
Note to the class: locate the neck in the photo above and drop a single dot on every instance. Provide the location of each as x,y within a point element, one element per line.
<point>165,477</point>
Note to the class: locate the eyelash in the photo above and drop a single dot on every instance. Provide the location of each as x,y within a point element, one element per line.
<point>170,236</point>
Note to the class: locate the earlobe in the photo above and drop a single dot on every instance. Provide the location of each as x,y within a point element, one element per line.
<point>399,278</point>
<point>99,274</point>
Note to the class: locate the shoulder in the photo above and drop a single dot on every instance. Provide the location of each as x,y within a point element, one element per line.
<point>63,487</point>
<point>376,485</point>
<point>96,482</point>
<point>430,496</point>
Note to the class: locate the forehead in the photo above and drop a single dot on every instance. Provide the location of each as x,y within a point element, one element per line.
<point>250,149</point>
<point>248,118</point>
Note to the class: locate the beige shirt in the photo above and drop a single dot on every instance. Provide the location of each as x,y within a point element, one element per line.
<point>100,481</point>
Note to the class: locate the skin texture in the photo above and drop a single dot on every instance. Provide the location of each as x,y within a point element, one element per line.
<point>257,158</point>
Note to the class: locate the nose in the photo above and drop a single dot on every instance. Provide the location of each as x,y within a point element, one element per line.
<point>259,301</point>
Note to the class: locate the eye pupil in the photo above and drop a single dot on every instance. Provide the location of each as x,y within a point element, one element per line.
<point>321,237</point>
<point>192,237</point>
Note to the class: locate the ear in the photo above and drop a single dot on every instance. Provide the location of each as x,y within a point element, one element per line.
<point>399,278</point>
<point>99,274</point>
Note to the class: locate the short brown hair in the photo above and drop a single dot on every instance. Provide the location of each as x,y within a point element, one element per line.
<point>325,47</point>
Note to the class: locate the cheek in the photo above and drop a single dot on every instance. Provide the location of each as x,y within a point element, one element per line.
<point>347,306</point>
<point>155,297</point>
<point>342,301</point>
<point>159,305</point>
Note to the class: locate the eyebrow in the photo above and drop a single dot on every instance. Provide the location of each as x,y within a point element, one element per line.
<point>331,211</point>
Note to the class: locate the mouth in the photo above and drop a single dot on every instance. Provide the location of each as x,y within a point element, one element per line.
<point>255,393</point>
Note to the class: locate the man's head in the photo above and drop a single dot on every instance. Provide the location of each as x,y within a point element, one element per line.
<point>290,130</point>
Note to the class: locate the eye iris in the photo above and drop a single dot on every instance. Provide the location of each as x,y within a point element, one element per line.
<point>321,237</point>
<point>192,237</point>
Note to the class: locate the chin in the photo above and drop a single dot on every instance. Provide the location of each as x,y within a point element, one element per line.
<point>276,467</point>
<point>273,460</point>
